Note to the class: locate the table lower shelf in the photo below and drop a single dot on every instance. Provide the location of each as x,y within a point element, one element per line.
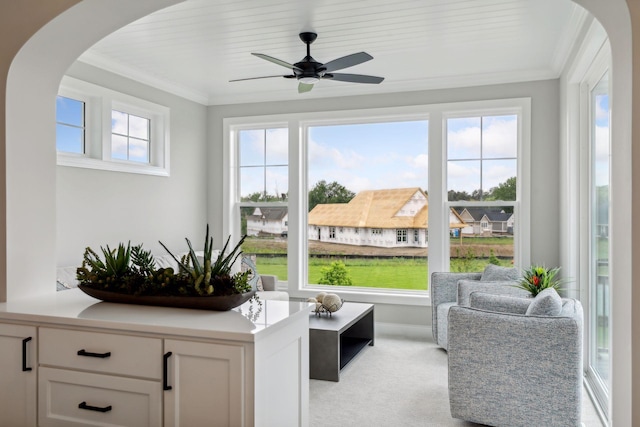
<point>350,347</point>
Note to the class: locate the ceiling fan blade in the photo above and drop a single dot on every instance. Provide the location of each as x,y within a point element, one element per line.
<point>347,61</point>
<point>353,78</point>
<point>304,87</point>
<point>276,61</point>
<point>263,77</point>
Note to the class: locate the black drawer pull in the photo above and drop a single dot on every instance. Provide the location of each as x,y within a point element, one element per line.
<point>24,354</point>
<point>165,369</point>
<point>84,405</point>
<point>89,354</point>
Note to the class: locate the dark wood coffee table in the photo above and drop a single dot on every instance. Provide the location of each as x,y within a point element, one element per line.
<point>334,341</point>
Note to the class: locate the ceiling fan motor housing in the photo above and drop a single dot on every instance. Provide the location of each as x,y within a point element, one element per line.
<point>309,71</point>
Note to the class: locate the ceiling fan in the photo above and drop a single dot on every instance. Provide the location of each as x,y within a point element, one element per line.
<point>309,71</point>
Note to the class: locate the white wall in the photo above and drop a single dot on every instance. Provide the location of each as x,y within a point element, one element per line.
<point>544,158</point>
<point>95,208</point>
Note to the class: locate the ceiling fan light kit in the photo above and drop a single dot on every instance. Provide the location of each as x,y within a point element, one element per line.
<point>309,71</point>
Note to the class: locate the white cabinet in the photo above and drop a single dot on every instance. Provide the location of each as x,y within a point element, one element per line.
<point>204,384</point>
<point>18,350</point>
<point>102,364</point>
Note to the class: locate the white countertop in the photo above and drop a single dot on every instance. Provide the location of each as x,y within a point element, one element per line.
<point>248,322</point>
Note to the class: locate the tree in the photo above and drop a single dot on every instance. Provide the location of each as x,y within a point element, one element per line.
<point>335,274</point>
<point>454,195</point>
<point>329,193</point>
<point>505,190</point>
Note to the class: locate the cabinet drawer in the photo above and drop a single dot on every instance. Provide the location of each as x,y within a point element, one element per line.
<point>105,400</point>
<point>103,353</point>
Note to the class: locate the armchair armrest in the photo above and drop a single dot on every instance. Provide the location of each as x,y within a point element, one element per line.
<point>443,288</point>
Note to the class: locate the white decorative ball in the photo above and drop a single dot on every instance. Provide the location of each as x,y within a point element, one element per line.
<point>320,296</point>
<point>332,302</point>
<point>312,300</point>
<point>318,306</point>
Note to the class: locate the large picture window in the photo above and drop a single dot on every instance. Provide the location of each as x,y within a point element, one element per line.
<point>359,204</point>
<point>369,179</point>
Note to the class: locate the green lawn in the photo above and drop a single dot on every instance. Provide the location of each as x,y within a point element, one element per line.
<point>387,273</point>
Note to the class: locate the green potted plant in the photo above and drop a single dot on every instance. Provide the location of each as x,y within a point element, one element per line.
<point>129,274</point>
<point>538,278</point>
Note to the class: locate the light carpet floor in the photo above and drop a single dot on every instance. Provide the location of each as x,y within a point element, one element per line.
<point>397,382</point>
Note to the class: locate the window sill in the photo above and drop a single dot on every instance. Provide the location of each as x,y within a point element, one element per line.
<point>78,161</point>
<point>370,296</point>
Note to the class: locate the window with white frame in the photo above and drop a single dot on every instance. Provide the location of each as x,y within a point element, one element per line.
<point>98,128</point>
<point>482,176</point>
<point>325,150</point>
<point>70,125</point>
<point>262,196</point>
<point>130,137</point>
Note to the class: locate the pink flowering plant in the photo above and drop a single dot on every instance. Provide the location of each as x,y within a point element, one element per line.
<point>538,278</point>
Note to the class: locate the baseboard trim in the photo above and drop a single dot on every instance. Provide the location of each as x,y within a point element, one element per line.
<point>403,330</point>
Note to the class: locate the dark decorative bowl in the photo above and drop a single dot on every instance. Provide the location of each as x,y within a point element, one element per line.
<point>217,303</point>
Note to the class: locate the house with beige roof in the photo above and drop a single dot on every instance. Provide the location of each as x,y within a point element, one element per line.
<point>384,218</point>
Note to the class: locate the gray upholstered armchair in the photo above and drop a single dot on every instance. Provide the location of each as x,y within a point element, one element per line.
<point>514,362</point>
<point>451,289</point>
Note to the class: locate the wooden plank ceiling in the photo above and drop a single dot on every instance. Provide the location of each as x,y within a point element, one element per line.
<point>194,48</point>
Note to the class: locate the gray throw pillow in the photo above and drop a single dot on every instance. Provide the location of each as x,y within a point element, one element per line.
<point>494,272</point>
<point>546,303</point>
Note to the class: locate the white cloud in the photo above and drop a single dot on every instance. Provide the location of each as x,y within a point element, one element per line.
<point>420,162</point>
<point>322,156</point>
<point>500,138</point>
<point>119,122</point>
<point>463,176</point>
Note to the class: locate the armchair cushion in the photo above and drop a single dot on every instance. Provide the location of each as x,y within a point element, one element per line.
<point>546,303</point>
<point>496,287</point>
<point>499,303</point>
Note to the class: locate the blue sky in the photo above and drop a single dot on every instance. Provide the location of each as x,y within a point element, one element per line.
<point>384,155</point>
<point>498,137</point>
<point>70,112</point>
<point>370,156</point>
<point>602,148</point>
<point>360,157</point>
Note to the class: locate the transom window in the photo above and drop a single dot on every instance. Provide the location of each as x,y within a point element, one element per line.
<point>98,128</point>
<point>130,137</point>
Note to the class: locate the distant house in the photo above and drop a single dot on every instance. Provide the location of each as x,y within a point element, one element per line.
<point>383,218</point>
<point>486,221</point>
<point>269,221</point>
